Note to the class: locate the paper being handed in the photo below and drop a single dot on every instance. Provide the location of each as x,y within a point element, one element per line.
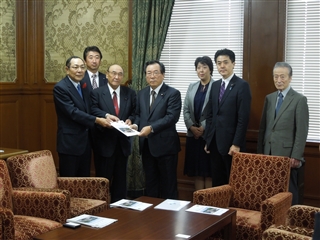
<point>124,128</point>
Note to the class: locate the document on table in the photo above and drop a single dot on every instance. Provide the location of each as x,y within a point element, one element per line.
<point>131,204</point>
<point>92,221</point>
<point>171,204</point>
<point>207,210</point>
<point>124,128</point>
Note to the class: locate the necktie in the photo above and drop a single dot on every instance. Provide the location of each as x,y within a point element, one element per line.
<point>153,94</point>
<point>280,100</point>
<point>94,82</point>
<point>79,90</point>
<point>222,89</point>
<point>115,103</point>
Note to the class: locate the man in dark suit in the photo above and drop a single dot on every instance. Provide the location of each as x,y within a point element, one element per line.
<point>284,129</point>
<point>92,79</point>
<point>113,147</point>
<point>157,112</point>
<point>74,122</point>
<point>228,117</point>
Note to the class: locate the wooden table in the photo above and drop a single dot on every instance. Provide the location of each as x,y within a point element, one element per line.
<point>152,224</point>
<point>8,152</point>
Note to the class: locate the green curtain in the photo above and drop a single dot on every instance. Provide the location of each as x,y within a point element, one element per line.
<point>151,19</point>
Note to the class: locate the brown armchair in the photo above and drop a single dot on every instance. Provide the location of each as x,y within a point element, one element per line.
<point>257,189</point>
<point>300,224</point>
<point>23,213</point>
<point>88,195</point>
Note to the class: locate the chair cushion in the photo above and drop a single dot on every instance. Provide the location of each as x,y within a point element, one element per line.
<point>298,230</point>
<point>86,206</point>
<point>278,234</point>
<point>248,224</point>
<point>27,227</point>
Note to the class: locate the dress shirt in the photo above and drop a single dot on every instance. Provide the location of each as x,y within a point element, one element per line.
<point>227,80</point>
<point>97,77</point>
<point>156,90</point>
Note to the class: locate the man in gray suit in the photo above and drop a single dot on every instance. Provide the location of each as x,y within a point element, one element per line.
<point>157,112</point>
<point>284,124</point>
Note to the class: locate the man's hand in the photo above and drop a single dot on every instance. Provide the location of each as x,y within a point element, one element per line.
<point>128,121</point>
<point>206,149</point>
<point>233,149</point>
<point>145,131</point>
<point>102,122</point>
<point>295,163</point>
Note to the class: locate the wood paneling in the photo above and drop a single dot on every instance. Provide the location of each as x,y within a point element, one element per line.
<point>9,121</point>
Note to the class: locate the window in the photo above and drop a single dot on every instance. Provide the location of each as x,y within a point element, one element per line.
<point>199,28</point>
<point>302,52</point>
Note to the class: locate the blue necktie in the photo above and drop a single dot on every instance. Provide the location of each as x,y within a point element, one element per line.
<point>222,89</point>
<point>79,90</point>
<point>280,100</point>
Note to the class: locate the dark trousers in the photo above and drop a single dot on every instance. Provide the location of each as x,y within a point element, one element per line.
<point>293,186</point>
<point>114,168</point>
<point>160,173</point>
<point>75,166</point>
<point>220,165</point>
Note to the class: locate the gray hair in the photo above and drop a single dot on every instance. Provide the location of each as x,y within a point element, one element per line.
<point>284,64</point>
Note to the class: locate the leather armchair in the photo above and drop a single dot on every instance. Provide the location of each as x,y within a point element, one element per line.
<point>257,189</point>
<point>36,170</point>
<point>299,224</point>
<point>23,213</point>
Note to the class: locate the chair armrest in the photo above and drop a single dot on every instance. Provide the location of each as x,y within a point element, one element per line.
<point>274,209</point>
<point>6,224</point>
<point>49,205</point>
<point>86,187</point>
<point>274,233</point>
<point>215,196</point>
<point>301,216</point>
<point>32,189</point>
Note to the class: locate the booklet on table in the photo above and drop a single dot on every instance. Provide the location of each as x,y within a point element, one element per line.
<point>124,128</point>
<point>171,204</point>
<point>131,204</point>
<point>207,210</point>
<point>92,221</point>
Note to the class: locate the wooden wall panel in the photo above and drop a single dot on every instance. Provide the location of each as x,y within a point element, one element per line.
<point>49,126</point>
<point>10,116</point>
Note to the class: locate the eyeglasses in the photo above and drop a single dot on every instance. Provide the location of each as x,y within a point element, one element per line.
<point>113,73</point>
<point>78,67</point>
<point>155,73</point>
<point>282,77</point>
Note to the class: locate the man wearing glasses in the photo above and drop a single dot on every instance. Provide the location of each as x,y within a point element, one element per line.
<point>157,112</point>
<point>74,122</point>
<point>114,102</point>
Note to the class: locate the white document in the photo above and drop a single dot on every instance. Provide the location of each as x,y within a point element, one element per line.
<point>207,210</point>
<point>124,128</point>
<point>131,204</point>
<point>92,221</point>
<point>171,204</point>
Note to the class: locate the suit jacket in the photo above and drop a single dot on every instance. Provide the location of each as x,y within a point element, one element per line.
<point>228,120</point>
<point>286,134</point>
<point>188,106</point>
<point>163,117</point>
<point>74,119</point>
<point>106,139</point>
<point>87,86</point>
